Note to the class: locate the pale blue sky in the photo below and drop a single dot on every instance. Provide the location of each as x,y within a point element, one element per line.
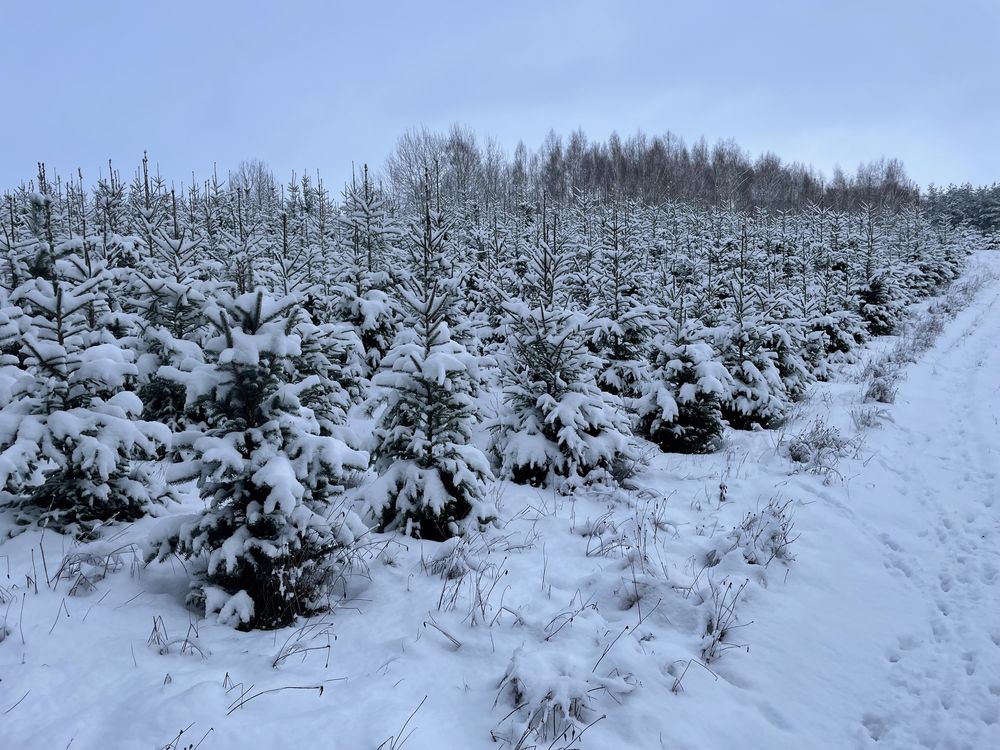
<point>319,84</point>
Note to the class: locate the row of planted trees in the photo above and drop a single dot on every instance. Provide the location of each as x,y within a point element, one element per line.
<point>244,338</point>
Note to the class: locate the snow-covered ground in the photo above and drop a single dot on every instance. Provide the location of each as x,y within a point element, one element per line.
<point>883,631</point>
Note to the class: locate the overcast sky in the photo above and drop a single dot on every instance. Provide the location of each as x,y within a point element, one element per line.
<point>321,84</point>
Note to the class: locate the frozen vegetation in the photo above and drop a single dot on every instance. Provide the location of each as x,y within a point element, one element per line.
<point>466,458</point>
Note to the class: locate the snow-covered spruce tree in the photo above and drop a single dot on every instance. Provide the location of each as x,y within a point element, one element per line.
<point>758,397</point>
<point>927,270</point>
<point>301,261</point>
<point>360,299</point>
<point>194,249</point>
<point>18,249</point>
<point>431,477</point>
<point>623,322</point>
<point>880,304</point>
<point>832,339</point>
<point>584,245</point>
<point>72,444</point>
<point>556,421</point>
<point>13,326</point>
<point>333,353</point>
<point>238,249</point>
<point>499,282</point>
<point>37,218</point>
<point>166,302</point>
<point>367,249</point>
<point>368,223</point>
<point>174,253</point>
<point>785,335</point>
<point>268,476</point>
<point>482,282</point>
<point>108,219</point>
<point>832,333</point>
<point>680,408</point>
<point>879,296</point>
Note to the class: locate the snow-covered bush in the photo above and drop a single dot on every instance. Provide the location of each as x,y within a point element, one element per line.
<point>867,417</point>
<point>552,694</point>
<point>271,530</point>
<point>722,601</point>
<point>766,534</point>
<point>819,448</point>
<point>882,389</point>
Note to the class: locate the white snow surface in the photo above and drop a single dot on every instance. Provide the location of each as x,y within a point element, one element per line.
<point>883,632</point>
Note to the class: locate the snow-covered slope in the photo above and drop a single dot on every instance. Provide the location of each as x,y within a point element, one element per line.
<point>883,631</point>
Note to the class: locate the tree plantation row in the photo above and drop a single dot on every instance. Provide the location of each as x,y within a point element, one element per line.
<point>319,369</point>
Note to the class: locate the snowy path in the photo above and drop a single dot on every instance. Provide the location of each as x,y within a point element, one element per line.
<point>888,632</point>
<point>942,683</point>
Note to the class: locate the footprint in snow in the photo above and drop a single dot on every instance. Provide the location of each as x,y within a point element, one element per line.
<point>969,657</point>
<point>989,574</point>
<point>888,542</point>
<point>876,726</point>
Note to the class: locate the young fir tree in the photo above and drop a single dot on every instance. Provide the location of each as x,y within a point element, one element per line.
<point>267,474</point>
<point>785,335</point>
<point>73,444</point>
<point>332,352</point>
<point>878,296</point>
<point>556,421</point>
<point>832,339</point>
<point>832,334</point>
<point>479,275</point>
<point>680,409</point>
<point>367,250</point>
<point>497,280</point>
<point>17,249</point>
<point>38,219</point>
<point>624,321</point>
<point>431,477</point>
<point>758,397</point>
<point>169,321</point>
<point>13,326</point>
<point>584,248</point>
<point>880,304</point>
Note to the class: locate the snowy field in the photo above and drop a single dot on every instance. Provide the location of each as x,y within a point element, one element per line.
<point>741,599</point>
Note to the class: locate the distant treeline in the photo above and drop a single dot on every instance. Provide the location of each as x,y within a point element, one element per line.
<point>977,207</point>
<point>645,168</point>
